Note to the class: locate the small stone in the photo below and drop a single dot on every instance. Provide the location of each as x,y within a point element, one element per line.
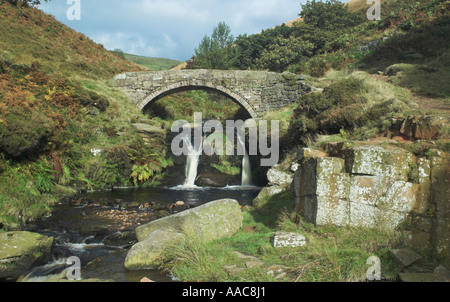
<point>282,239</point>
<point>146,280</point>
<point>442,274</point>
<point>253,264</point>
<point>405,256</point>
<point>233,269</point>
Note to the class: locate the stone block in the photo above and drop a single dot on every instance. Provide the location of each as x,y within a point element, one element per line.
<point>326,210</point>
<point>282,239</point>
<point>400,197</point>
<point>377,160</point>
<point>405,257</point>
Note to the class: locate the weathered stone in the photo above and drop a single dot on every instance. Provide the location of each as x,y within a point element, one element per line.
<point>20,251</point>
<point>426,127</point>
<point>279,178</point>
<point>406,256</point>
<point>147,254</point>
<point>254,263</point>
<point>316,174</point>
<point>421,240</point>
<point>325,210</point>
<point>442,274</point>
<point>283,239</point>
<point>424,178</point>
<point>267,192</point>
<point>390,162</point>
<point>362,215</point>
<point>256,91</point>
<point>233,270</point>
<point>306,153</point>
<point>440,198</point>
<point>417,277</point>
<point>211,221</point>
<point>401,197</point>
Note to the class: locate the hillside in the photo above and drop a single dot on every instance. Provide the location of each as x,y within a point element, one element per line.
<point>56,105</point>
<point>153,63</point>
<point>33,36</point>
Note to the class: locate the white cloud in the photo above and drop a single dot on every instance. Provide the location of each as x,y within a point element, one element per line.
<point>170,28</point>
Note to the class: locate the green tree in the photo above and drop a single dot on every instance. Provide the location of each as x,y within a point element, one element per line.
<point>324,21</point>
<point>214,52</point>
<point>284,52</point>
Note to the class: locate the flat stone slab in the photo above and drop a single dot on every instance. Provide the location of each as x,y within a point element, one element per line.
<point>211,221</point>
<point>282,239</point>
<point>417,277</point>
<point>406,256</point>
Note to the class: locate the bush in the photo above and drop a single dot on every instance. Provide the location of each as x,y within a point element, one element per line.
<point>338,107</point>
<point>24,132</point>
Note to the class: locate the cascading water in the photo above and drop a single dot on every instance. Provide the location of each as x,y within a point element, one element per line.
<point>192,161</point>
<point>246,167</point>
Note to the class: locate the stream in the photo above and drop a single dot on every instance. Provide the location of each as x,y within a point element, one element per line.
<point>98,228</point>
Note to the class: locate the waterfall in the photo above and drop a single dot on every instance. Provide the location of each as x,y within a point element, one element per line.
<point>246,167</point>
<point>192,162</point>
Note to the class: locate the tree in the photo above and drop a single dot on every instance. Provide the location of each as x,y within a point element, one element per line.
<point>329,15</point>
<point>323,21</point>
<point>284,52</point>
<point>213,52</point>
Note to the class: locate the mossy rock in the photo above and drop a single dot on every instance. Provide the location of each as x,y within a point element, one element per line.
<point>20,251</point>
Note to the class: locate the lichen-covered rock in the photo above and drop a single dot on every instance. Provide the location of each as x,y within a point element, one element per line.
<point>147,254</point>
<point>283,239</point>
<point>326,210</point>
<point>424,179</point>
<point>363,215</point>
<point>20,251</point>
<point>266,193</point>
<point>215,220</point>
<point>279,178</point>
<point>389,162</point>
<point>400,197</point>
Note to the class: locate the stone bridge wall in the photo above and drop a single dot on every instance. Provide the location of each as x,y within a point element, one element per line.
<point>256,91</point>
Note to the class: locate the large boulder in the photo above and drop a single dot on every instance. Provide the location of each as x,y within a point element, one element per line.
<point>20,251</point>
<point>147,254</point>
<point>215,220</point>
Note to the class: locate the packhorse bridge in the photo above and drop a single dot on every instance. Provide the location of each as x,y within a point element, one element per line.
<point>256,91</point>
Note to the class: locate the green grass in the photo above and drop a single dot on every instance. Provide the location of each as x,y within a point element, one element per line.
<point>153,63</point>
<point>421,79</point>
<point>332,254</point>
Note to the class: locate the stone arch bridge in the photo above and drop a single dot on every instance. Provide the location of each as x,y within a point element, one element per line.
<point>256,91</point>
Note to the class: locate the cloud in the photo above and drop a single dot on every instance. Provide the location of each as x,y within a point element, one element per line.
<point>170,28</point>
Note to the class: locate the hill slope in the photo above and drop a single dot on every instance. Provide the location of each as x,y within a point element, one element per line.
<point>153,63</point>
<point>29,35</point>
<point>55,106</point>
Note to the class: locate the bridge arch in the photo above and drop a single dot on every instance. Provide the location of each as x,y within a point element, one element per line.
<point>197,85</point>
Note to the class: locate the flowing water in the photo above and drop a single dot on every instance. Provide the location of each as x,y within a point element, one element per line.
<point>192,161</point>
<point>84,225</point>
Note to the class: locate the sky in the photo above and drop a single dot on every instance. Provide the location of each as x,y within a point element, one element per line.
<point>167,28</point>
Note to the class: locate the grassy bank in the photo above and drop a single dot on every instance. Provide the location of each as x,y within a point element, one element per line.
<point>331,254</point>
